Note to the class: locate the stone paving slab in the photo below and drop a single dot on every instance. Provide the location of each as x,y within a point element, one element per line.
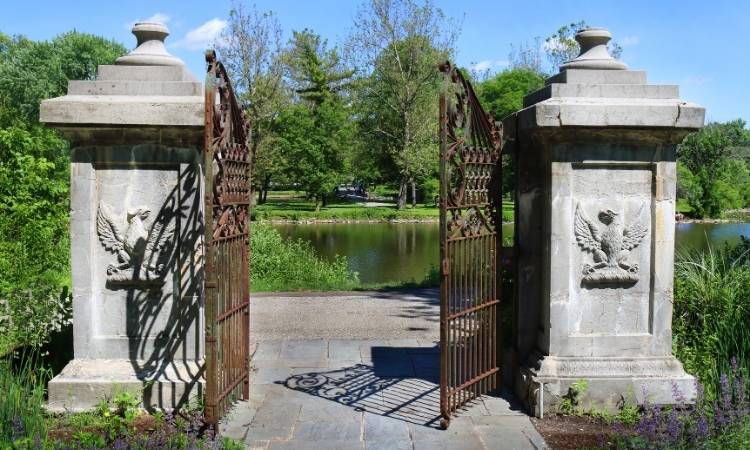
<point>365,395</point>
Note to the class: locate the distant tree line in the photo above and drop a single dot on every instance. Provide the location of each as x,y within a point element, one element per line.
<point>713,169</point>
<point>365,111</point>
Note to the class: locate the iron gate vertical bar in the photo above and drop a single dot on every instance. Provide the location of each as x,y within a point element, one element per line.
<point>445,273</point>
<point>208,250</point>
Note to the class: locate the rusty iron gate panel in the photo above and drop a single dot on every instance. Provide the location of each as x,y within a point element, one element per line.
<point>470,206</point>
<point>227,222</point>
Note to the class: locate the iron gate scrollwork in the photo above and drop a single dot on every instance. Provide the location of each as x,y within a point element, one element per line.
<point>470,206</point>
<point>227,222</point>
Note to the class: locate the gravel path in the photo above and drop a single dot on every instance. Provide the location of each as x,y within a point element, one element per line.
<point>412,314</point>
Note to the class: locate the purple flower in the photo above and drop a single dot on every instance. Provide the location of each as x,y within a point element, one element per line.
<point>726,392</point>
<point>120,444</point>
<point>702,426</point>
<point>673,426</point>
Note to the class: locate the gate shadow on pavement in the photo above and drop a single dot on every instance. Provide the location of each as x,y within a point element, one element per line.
<point>397,382</point>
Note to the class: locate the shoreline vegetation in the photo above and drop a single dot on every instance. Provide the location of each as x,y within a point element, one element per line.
<point>292,207</point>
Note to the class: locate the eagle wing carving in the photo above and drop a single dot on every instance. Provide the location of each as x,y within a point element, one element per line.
<point>587,234</point>
<point>109,232</point>
<point>634,234</point>
<point>158,238</point>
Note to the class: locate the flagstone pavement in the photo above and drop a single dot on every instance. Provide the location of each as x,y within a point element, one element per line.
<point>308,393</point>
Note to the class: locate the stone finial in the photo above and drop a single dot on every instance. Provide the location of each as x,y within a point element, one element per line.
<point>150,50</point>
<point>594,53</point>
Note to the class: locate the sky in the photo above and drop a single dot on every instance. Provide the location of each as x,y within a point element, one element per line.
<point>701,46</point>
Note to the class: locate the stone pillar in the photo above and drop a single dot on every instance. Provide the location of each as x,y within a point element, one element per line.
<point>136,225</point>
<point>595,233</point>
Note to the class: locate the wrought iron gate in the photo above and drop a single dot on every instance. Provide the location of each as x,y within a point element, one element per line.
<point>227,222</point>
<point>470,206</point>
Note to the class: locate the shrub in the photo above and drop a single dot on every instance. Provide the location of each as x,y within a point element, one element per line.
<point>29,317</point>
<point>290,265</point>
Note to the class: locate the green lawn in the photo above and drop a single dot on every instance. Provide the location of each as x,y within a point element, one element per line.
<point>291,205</point>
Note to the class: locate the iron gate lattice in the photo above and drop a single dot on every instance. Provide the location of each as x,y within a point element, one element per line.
<point>227,222</point>
<point>470,205</point>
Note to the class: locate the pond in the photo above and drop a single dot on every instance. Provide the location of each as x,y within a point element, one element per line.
<point>403,252</point>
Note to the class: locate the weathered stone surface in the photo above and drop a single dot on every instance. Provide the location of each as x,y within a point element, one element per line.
<point>169,88</point>
<point>136,233</point>
<point>594,77</point>
<point>596,201</point>
<point>147,74</point>
<point>150,110</point>
<point>85,382</point>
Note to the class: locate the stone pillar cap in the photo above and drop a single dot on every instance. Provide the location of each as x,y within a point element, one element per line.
<point>594,53</point>
<point>150,50</point>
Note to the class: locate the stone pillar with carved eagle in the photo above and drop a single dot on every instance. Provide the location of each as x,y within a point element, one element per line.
<point>136,135</point>
<point>595,153</point>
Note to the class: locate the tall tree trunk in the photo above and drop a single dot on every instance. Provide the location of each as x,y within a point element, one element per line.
<point>402,193</point>
<point>264,188</point>
<point>413,194</point>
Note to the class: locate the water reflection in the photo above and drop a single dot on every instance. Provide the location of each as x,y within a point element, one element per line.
<point>405,252</point>
<point>702,235</point>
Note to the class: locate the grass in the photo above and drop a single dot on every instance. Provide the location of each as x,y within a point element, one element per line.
<point>711,312</point>
<point>292,206</point>
<point>22,383</point>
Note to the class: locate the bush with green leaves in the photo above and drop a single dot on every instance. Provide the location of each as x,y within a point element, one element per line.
<point>277,264</point>
<point>30,317</point>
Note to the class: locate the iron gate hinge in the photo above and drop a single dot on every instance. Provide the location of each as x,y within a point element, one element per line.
<point>446,267</point>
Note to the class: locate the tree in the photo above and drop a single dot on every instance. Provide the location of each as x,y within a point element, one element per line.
<point>34,160</point>
<point>397,45</point>
<point>503,95</point>
<point>316,133</point>
<point>251,49</point>
<point>705,154</point>
<point>527,57</point>
<point>316,72</point>
<point>314,139</point>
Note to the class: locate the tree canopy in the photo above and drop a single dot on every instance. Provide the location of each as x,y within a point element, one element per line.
<point>34,159</point>
<point>398,44</point>
<point>711,178</point>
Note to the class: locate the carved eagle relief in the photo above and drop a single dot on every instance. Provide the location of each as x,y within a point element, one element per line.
<point>140,251</point>
<point>610,243</point>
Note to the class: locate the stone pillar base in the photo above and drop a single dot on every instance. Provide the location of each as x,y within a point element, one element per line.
<point>610,382</point>
<point>84,383</point>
